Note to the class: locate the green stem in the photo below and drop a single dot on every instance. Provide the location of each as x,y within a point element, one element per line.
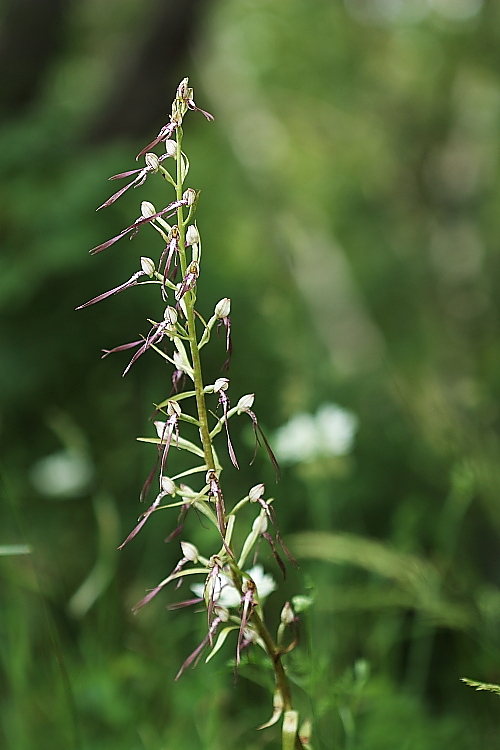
<point>273,651</point>
<point>191,326</point>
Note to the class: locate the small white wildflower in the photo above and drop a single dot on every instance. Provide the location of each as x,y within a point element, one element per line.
<point>305,437</point>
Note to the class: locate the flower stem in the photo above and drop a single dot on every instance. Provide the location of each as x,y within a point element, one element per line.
<point>273,651</point>
<point>191,325</point>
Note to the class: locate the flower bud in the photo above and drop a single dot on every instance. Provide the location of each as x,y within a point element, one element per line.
<point>222,308</point>
<point>152,161</point>
<point>148,266</point>
<point>259,526</point>
<point>192,235</point>
<point>287,614</point>
<point>221,384</point>
<point>256,493</point>
<point>222,613</point>
<point>183,89</point>
<point>170,316</point>
<point>171,148</point>
<point>245,403</point>
<point>167,486</point>
<point>147,209</point>
<point>189,196</point>
<point>189,551</point>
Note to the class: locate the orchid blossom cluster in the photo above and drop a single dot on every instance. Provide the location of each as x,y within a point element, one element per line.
<point>234,586</point>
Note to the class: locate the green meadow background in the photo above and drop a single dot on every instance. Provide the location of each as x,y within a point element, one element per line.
<point>350,210</point>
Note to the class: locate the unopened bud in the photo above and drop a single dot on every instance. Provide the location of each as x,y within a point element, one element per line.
<point>222,613</point>
<point>189,196</point>
<point>170,148</point>
<point>287,614</point>
<point>147,209</point>
<point>183,89</point>
<point>221,384</point>
<point>256,493</point>
<point>259,526</point>
<point>168,485</point>
<point>189,551</point>
<point>222,308</point>
<point>192,235</point>
<point>152,161</point>
<point>170,316</point>
<point>148,266</point>
<point>245,403</point>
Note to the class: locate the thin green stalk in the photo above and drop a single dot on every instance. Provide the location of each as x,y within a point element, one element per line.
<point>191,325</point>
<point>281,680</point>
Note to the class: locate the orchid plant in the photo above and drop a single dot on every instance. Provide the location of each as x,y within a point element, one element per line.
<point>232,590</point>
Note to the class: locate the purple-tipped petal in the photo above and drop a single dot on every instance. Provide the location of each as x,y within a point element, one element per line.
<point>143,520</point>
<point>131,282</point>
<point>121,348</point>
<point>172,207</point>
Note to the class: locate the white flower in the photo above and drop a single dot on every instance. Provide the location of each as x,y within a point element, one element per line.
<point>330,432</point>
<point>225,594</point>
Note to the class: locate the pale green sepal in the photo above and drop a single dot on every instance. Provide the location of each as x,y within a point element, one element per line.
<point>250,540</point>
<point>203,508</point>
<point>175,397</point>
<point>195,470</point>
<point>184,166</point>
<point>229,533</point>
<point>179,442</point>
<point>277,710</point>
<point>166,174</point>
<point>220,641</point>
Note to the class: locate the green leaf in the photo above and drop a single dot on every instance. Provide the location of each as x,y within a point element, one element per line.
<point>179,442</point>
<point>489,686</point>
<point>220,641</point>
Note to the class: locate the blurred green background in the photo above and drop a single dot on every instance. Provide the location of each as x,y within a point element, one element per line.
<point>349,207</point>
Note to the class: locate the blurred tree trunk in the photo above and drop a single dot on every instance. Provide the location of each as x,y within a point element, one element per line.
<point>31,37</point>
<point>147,78</point>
